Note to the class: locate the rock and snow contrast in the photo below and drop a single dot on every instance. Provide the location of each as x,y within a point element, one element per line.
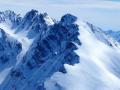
<point>40,53</point>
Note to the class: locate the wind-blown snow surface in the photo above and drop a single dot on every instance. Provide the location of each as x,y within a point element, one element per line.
<point>98,68</point>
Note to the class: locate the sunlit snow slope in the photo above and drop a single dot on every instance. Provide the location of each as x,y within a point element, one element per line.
<point>98,68</point>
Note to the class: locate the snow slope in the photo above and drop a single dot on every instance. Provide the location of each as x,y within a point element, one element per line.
<point>98,68</point>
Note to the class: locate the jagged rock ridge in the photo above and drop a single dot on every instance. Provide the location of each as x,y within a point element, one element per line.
<point>53,46</point>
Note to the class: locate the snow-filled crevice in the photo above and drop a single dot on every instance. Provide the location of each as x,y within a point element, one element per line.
<point>98,68</point>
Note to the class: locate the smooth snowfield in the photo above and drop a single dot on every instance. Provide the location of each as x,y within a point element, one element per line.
<point>98,68</point>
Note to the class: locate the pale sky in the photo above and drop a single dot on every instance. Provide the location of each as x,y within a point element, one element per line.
<point>102,13</point>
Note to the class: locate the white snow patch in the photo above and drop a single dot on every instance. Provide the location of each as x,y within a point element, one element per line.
<point>49,20</point>
<point>4,73</point>
<point>95,70</point>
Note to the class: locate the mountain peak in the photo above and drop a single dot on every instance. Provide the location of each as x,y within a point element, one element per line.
<point>31,14</point>
<point>68,19</point>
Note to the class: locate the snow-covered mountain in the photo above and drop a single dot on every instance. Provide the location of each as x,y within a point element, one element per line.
<point>40,53</point>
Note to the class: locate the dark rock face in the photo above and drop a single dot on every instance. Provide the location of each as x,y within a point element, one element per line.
<point>28,20</point>
<point>60,39</point>
<point>9,49</point>
<point>68,19</point>
<point>53,47</point>
<point>33,23</point>
<point>53,51</point>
